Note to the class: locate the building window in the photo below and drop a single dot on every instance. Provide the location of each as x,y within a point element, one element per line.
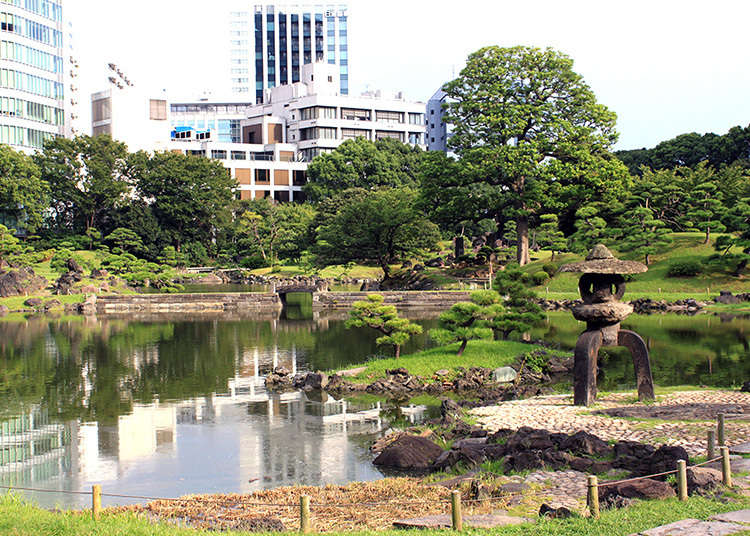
<point>328,133</point>
<point>389,117</point>
<point>218,154</point>
<point>299,178</point>
<point>415,138</point>
<point>352,114</point>
<point>262,176</point>
<point>101,109</point>
<point>416,119</point>
<point>317,112</point>
<point>351,133</point>
<point>157,110</point>
<point>239,155</point>
<point>380,134</point>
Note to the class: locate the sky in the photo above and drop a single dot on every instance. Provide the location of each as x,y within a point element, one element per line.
<point>666,67</point>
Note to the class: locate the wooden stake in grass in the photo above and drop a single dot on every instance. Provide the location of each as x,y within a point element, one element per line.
<point>96,501</point>
<point>720,429</point>
<point>711,451</point>
<point>304,514</point>
<point>457,520</point>
<point>593,497</point>
<point>726,467</point>
<point>682,491</point>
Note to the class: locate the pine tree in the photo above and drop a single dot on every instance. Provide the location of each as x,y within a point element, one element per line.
<point>549,235</point>
<point>373,313</point>
<point>466,321</point>
<point>642,233</point>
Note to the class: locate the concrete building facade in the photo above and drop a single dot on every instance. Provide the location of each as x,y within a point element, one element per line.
<point>270,43</point>
<point>438,130</point>
<point>34,71</point>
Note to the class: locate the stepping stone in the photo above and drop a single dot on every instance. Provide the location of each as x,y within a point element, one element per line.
<point>694,527</point>
<point>738,516</point>
<point>484,521</point>
<point>352,372</point>
<point>742,448</point>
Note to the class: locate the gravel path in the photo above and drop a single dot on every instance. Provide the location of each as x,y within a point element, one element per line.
<point>680,418</point>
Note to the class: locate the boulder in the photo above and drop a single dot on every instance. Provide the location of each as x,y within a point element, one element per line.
<point>96,273</point>
<point>554,511</point>
<point>18,282</point>
<point>524,461</point>
<point>450,410</point>
<point>647,488</point>
<point>409,452</point>
<point>702,479</point>
<point>504,374</point>
<point>33,302</point>
<point>665,459</point>
<point>311,381</point>
<point>529,439</point>
<point>73,266</point>
<point>585,444</point>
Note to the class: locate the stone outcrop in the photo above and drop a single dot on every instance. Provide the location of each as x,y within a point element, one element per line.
<point>637,489</point>
<point>19,282</point>
<point>409,452</point>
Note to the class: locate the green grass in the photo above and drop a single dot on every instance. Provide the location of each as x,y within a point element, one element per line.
<point>20,519</point>
<point>15,303</point>
<point>652,284</point>
<point>358,271</point>
<point>479,353</point>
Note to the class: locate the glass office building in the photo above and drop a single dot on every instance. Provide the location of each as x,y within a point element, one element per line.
<point>32,73</point>
<point>269,44</point>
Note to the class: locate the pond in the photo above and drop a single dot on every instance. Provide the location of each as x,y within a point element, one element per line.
<point>166,405</point>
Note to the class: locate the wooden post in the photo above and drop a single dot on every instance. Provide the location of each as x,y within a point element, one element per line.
<point>457,520</point>
<point>593,497</point>
<point>726,468</point>
<point>711,451</point>
<point>682,491</point>
<point>720,429</point>
<point>96,501</point>
<point>304,514</point>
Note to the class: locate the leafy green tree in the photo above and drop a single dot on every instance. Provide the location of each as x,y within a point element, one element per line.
<point>171,257</point>
<point>10,246</point>
<point>466,321</point>
<point>24,196</point>
<point>383,226</point>
<point>739,216</point>
<point>373,313</point>
<point>663,192</point>
<point>549,235</point>
<point>530,127</point>
<point>521,310</point>
<point>591,228</point>
<point>126,239</point>
<point>189,195</point>
<point>88,178</point>
<point>641,233</point>
<point>360,163</point>
<point>704,203</point>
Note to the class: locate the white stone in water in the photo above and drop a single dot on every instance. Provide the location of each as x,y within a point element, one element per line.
<point>504,374</point>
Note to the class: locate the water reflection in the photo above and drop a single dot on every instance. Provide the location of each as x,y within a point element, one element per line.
<point>173,405</point>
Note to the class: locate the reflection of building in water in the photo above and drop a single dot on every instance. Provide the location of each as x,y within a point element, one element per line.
<point>32,448</point>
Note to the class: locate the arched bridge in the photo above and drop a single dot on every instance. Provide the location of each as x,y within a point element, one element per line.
<point>311,288</point>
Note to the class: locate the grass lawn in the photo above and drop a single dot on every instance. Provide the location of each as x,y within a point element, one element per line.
<point>652,284</point>
<point>479,353</point>
<point>20,519</point>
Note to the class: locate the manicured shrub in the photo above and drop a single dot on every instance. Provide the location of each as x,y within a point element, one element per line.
<point>540,278</point>
<point>526,279</point>
<point>550,268</point>
<point>684,269</point>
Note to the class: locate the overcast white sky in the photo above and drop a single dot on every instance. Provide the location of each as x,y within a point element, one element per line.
<point>664,66</point>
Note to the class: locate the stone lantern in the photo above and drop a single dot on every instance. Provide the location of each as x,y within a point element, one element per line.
<point>602,285</point>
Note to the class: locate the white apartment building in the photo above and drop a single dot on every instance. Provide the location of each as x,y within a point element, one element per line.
<point>266,147</point>
<point>270,43</point>
<point>438,130</point>
<point>33,73</point>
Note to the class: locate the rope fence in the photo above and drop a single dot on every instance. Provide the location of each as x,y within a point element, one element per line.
<point>455,501</point>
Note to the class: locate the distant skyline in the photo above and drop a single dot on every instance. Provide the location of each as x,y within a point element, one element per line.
<point>665,67</point>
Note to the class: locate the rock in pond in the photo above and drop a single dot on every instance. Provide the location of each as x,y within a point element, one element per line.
<point>409,452</point>
<point>504,374</point>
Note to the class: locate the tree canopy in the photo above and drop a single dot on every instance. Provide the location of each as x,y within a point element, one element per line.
<point>530,127</point>
<point>23,194</point>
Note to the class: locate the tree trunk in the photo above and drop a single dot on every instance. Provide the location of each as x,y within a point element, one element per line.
<point>708,236</point>
<point>648,260</point>
<point>386,271</point>
<point>463,347</point>
<point>398,351</point>
<point>522,232</point>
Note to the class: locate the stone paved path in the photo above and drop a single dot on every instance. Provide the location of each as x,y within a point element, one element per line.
<point>718,525</point>
<point>680,418</point>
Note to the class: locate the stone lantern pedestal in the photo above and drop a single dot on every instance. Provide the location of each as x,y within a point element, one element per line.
<point>602,285</point>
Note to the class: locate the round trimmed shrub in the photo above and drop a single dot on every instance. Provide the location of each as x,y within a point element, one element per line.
<point>550,268</point>
<point>540,278</point>
<point>684,269</point>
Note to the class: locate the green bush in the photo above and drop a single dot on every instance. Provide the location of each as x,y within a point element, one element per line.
<point>526,279</point>
<point>550,268</point>
<point>540,278</point>
<point>684,268</point>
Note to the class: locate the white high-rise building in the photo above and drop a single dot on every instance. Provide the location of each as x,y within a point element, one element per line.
<point>271,42</point>
<point>34,72</point>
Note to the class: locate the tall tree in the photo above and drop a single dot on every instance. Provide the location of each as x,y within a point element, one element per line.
<point>521,311</point>
<point>373,313</point>
<point>704,202</point>
<point>23,194</point>
<point>383,226</point>
<point>466,321</point>
<point>531,127</point>
<point>88,176</point>
<point>189,195</point>
<point>550,236</point>
<point>360,163</point>
<point>642,233</point>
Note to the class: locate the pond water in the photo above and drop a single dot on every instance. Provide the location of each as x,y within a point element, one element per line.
<point>166,405</point>
<point>223,288</point>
